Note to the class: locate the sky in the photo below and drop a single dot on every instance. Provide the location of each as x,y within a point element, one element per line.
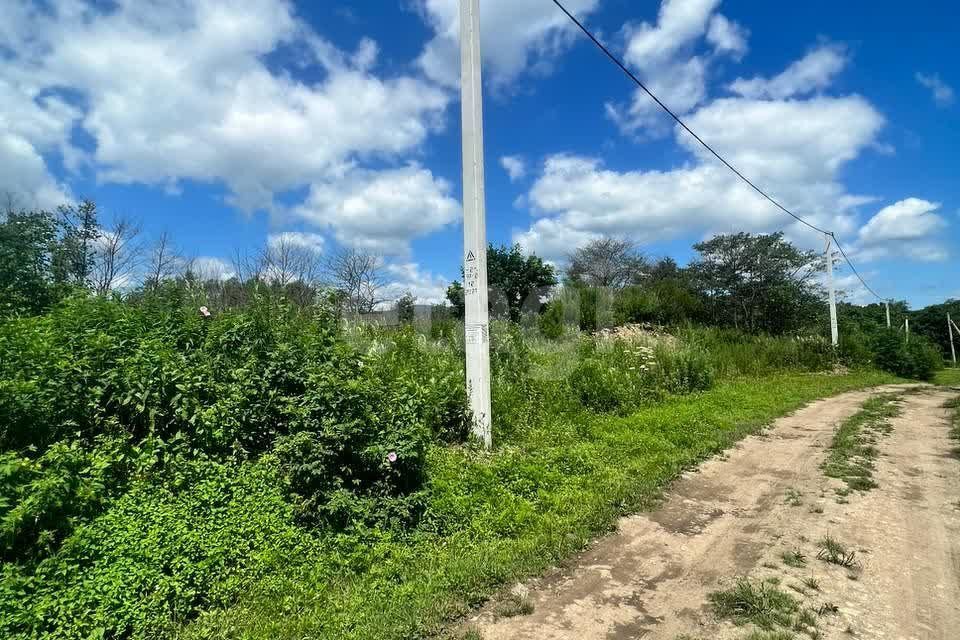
<point>231,125</point>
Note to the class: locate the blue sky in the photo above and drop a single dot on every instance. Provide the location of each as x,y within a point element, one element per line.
<point>228,124</point>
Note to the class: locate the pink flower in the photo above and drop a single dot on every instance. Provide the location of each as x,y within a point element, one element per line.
<point>204,312</point>
<point>392,456</point>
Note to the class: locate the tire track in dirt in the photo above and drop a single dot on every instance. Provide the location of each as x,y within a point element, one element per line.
<point>731,517</point>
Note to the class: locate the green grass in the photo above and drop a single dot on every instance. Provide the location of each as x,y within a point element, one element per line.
<point>761,604</point>
<point>853,450</point>
<point>794,559</point>
<point>833,551</point>
<point>955,424</point>
<point>521,509</point>
<point>949,377</point>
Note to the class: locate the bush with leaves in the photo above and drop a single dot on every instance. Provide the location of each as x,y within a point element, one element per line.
<point>916,358</point>
<point>551,322</point>
<point>622,375</point>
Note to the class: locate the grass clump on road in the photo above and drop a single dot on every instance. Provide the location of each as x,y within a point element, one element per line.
<point>853,450</point>
<point>833,551</point>
<point>795,559</point>
<point>758,603</point>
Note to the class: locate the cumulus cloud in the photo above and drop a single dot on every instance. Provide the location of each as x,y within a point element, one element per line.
<point>942,92</point>
<point>727,36</point>
<point>516,36</point>
<point>381,210</point>
<point>183,91</point>
<point>662,54</point>
<point>813,72</point>
<point>410,277</point>
<point>908,228</point>
<point>515,166</point>
<point>577,198</point>
<point>313,242</point>
<point>212,268</point>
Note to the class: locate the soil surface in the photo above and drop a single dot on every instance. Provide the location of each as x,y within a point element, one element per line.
<point>739,513</point>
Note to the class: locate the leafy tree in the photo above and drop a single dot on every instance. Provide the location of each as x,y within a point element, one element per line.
<point>931,322</point>
<point>759,283</point>
<point>516,282</point>
<point>606,262</point>
<point>45,255</point>
<point>405,308</point>
<point>27,240</point>
<point>551,322</point>
<point>455,297</point>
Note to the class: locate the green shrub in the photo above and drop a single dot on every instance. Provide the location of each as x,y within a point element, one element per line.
<point>917,359</point>
<point>589,303</point>
<point>622,375</point>
<point>597,385</point>
<point>683,370</point>
<point>636,305</point>
<point>551,321</point>
<point>155,556</point>
<point>42,500</point>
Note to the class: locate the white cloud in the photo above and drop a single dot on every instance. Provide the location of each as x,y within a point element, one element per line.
<point>516,36</point>
<point>515,166</point>
<point>408,277</point>
<point>942,93</point>
<point>908,228</point>
<point>849,287</point>
<point>212,268</point>
<point>727,36</point>
<point>299,239</point>
<point>383,210</point>
<point>813,72</point>
<point>577,197</point>
<point>181,91</point>
<point>662,56</point>
<point>679,23</point>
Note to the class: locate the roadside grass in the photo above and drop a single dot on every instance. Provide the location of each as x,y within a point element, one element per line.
<point>955,424</point>
<point>853,450</point>
<point>948,377</point>
<point>524,507</point>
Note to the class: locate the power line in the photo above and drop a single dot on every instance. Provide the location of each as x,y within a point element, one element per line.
<point>854,269</point>
<point>706,146</point>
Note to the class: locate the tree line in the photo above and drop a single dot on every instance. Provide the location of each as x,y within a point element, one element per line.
<point>758,283</point>
<point>754,282</point>
<point>46,255</point>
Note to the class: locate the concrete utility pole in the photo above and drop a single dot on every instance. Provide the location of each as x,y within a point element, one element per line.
<point>834,333</point>
<point>888,313</point>
<point>953,351</point>
<point>906,328</point>
<point>476,320</point>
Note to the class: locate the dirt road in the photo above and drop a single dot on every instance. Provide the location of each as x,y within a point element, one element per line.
<point>738,514</point>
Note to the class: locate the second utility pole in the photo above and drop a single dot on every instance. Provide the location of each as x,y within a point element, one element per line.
<point>834,333</point>
<point>950,331</point>
<point>476,316</point>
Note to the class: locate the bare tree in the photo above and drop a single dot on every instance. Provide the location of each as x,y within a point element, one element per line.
<point>606,262</point>
<point>164,261</point>
<point>117,255</point>
<point>247,267</point>
<point>359,275</point>
<point>285,262</point>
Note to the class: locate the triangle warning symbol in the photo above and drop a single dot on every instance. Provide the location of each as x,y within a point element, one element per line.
<point>470,256</point>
